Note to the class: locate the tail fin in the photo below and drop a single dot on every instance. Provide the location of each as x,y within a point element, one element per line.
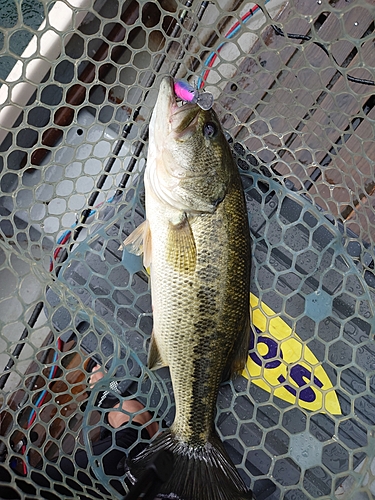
<point>200,473</point>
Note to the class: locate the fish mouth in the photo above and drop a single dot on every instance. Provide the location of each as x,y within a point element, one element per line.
<point>178,118</point>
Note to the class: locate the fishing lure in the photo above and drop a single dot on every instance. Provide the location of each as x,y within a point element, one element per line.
<point>188,93</point>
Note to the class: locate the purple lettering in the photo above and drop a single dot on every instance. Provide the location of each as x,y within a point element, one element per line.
<point>299,373</point>
<point>273,351</point>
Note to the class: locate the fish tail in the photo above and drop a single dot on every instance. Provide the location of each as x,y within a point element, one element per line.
<point>199,473</point>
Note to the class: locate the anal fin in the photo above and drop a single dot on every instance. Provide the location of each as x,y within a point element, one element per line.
<point>154,358</point>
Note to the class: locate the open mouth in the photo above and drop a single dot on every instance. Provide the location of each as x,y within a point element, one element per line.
<point>177,105</point>
<point>182,114</point>
<point>178,113</point>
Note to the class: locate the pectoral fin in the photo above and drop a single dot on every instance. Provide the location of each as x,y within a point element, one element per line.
<point>139,241</point>
<point>181,249</point>
<point>154,359</point>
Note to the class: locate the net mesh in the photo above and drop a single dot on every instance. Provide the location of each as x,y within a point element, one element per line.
<point>79,81</point>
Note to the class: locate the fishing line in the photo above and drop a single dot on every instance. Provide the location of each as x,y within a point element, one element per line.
<point>52,373</point>
<point>230,34</point>
<point>307,38</point>
<point>66,235</point>
<point>293,36</point>
<point>38,403</point>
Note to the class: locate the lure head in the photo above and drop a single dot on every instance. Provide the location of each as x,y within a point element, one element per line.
<point>188,93</point>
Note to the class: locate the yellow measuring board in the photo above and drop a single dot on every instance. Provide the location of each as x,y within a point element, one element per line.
<point>281,363</point>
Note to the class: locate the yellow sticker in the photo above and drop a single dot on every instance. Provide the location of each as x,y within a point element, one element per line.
<point>284,365</point>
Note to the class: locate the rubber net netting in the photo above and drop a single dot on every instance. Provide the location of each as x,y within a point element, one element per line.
<point>79,81</point>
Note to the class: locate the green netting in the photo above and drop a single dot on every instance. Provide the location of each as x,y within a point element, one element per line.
<point>299,423</point>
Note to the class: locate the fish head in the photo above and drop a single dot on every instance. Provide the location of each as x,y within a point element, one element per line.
<point>189,165</point>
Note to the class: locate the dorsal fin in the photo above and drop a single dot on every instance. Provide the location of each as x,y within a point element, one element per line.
<point>237,360</point>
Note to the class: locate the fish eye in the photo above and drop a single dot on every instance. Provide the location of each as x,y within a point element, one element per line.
<point>210,130</point>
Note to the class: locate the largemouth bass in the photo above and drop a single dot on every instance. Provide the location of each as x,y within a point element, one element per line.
<point>195,240</point>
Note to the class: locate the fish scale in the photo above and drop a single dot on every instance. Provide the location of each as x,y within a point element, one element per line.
<point>196,242</point>
<point>203,334</point>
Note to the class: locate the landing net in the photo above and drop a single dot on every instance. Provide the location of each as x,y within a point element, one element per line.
<point>293,85</point>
